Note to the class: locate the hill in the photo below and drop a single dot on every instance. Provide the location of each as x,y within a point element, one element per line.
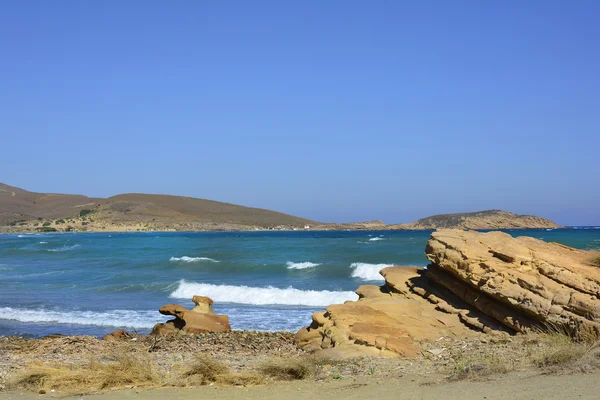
<point>20,205</point>
<point>29,211</point>
<point>489,219</point>
<point>132,212</point>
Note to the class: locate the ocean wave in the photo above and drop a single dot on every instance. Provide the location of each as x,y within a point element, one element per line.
<point>115,318</point>
<point>261,296</point>
<point>376,239</point>
<point>192,259</point>
<point>43,242</point>
<point>368,272</point>
<point>64,248</point>
<point>301,265</point>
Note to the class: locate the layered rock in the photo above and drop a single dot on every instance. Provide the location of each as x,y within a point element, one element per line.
<point>393,319</point>
<point>521,282</point>
<point>199,319</point>
<point>477,283</point>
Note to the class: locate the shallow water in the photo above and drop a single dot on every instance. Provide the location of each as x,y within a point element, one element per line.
<point>94,283</point>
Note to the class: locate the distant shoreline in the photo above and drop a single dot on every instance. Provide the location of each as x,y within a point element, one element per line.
<point>29,232</point>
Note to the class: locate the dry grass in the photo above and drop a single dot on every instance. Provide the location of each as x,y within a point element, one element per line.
<point>207,370</point>
<point>289,369</point>
<point>562,349</point>
<point>594,259</point>
<point>467,367</point>
<point>119,371</point>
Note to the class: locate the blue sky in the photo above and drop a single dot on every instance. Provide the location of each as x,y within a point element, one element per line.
<point>335,111</point>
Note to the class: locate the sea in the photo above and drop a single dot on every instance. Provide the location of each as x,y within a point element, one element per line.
<point>95,283</point>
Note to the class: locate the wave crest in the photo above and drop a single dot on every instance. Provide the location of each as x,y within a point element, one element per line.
<point>64,248</point>
<point>261,296</point>
<point>192,259</point>
<point>301,265</point>
<point>375,239</point>
<point>368,272</point>
<point>114,318</point>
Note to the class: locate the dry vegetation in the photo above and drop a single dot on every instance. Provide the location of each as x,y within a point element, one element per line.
<point>552,350</point>
<point>594,259</point>
<point>117,370</point>
<point>74,365</point>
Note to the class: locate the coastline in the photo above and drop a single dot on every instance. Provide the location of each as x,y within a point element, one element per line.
<point>4,230</point>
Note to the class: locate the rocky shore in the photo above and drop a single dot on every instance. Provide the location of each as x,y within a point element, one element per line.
<point>488,283</point>
<point>487,304</point>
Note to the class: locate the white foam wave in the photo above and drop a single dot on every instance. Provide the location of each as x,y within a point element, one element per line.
<point>376,239</point>
<point>192,259</point>
<point>65,248</point>
<point>261,296</point>
<point>43,242</point>
<point>21,236</point>
<point>368,272</point>
<point>301,265</point>
<point>115,318</point>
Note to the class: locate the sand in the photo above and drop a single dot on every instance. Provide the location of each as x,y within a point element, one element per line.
<point>509,386</point>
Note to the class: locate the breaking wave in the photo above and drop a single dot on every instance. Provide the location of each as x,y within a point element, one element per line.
<point>368,272</point>
<point>64,248</point>
<point>261,296</point>
<point>302,265</point>
<point>192,259</point>
<point>116,318</point>
<point>376,239</point>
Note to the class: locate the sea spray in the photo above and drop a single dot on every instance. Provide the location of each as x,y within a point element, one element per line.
<point>368,272</point>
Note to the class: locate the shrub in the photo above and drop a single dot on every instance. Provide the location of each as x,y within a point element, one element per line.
<point>84,223</point>
<point>85,212</point>
<point>46,229</point>
<point>60,221</point>
<point>47,223</point>
<point>69,228</point>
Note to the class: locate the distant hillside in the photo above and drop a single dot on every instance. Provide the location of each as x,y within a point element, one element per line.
<point>133,212</point>
<point>489,219</point>
<point>21,210</point>
<point>19,205</point>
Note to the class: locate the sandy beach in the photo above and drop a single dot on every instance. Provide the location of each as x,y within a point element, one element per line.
<point>510,386</point>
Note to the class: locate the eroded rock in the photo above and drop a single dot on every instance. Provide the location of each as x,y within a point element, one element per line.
<point>200,319</point>
<point>477,284</point>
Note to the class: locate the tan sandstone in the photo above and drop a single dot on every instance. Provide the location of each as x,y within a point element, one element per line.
<point>477,283</point>
<point>200,319</point>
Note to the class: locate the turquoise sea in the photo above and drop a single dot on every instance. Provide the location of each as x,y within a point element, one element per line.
<point>95,283</point>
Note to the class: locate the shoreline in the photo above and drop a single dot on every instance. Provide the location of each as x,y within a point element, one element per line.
<point>33,232</point>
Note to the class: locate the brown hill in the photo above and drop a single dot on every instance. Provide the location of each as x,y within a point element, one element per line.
<point>20,205</point>
<point>143,210</point>
<point>489,219</point>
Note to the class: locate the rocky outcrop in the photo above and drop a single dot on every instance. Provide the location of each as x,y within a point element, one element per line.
<point>521,282</point>
<point>484,220</point>
<point>477,284</point>
<point>200,319</point>
<point>393,319</point>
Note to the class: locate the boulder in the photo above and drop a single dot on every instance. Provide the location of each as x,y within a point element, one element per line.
<point>199,319</point>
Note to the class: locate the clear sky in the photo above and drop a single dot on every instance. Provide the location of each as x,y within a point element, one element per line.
<point>330,110</point>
